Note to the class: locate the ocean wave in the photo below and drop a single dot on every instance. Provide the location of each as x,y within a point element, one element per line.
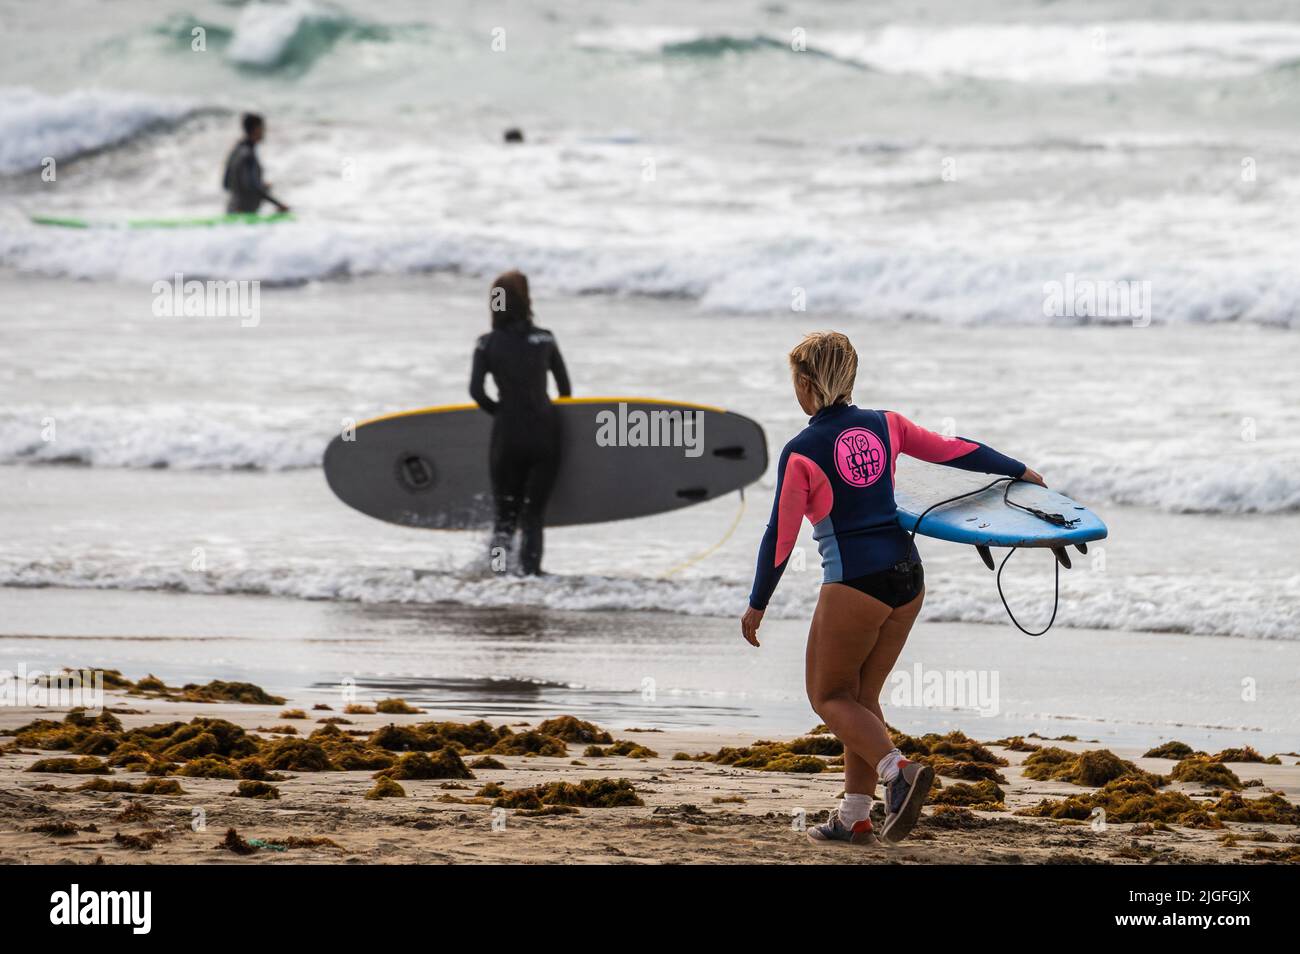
<point>293,35</point>
<point>1046,53</point>
<point>34,125</point>
<point>836,278</point>
<point>1186,605</point>
<point>172,439</point>
<point>1227,486</point>
<point>199,440</point>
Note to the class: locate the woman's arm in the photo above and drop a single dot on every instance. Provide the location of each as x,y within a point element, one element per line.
<point>800,488</point>
<point>915,441</point>
<point>561,373</point>
<point>477,374</point>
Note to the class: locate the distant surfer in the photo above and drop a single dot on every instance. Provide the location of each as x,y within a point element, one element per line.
<point>839,473</point>
<point>243,175</point>
<point>524,454</point>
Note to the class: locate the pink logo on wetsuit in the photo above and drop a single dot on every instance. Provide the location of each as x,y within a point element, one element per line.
<point>859,456</point>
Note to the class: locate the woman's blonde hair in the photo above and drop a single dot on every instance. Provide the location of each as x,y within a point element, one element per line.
<point>830,365</point>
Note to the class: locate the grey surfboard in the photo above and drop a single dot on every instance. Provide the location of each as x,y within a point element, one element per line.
<point>429,468</point>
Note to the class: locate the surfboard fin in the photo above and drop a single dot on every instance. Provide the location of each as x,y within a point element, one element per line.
<point>1062,557</point>
<point>1081,547</point>
<point>985,555</point>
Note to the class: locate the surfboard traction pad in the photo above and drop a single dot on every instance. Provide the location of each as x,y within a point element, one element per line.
<point>429,468</point>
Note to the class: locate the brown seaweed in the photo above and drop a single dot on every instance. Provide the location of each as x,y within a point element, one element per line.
<point>589,793</point>
<point>421,765</point>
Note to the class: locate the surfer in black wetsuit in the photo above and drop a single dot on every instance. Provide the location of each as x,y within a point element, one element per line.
<point>243,175</point>
<point>525,451</point>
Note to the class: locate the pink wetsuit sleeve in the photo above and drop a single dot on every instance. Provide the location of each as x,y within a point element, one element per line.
<point>790,508</point>
<point>915,441</point>
<point>802,491</point>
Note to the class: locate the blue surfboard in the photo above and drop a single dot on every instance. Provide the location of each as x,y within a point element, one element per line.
<point>986,520</point>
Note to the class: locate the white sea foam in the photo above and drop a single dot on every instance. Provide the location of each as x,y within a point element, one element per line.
<point>1176,604</point>
<point>266,32</point>
<point>837,278</point>
<point>161,437</point>
<point>1037,53</point>
<point>35,125</point>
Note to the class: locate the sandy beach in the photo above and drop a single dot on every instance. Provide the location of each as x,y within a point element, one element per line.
<point>284,478</point>
<point>693,812</point>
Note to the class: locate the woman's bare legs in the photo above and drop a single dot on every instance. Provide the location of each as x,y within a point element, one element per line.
<point>845,630</point>
<point>860,774</point>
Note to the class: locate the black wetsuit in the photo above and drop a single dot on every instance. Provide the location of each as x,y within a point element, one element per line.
<point>525,450</point>
<point>243,179</point>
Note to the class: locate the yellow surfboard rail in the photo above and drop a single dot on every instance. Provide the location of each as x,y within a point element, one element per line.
<point>569,400</point>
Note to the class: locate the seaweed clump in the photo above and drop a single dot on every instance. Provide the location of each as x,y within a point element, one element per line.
<point>572,729</point>
<point>141,842</point>
<point>210,766</point>
<point>85,765</point>
<point>59,829</point>
<point>623,747</point>
<point>386,788</point>
<point>954,755</point>
<point>76,733</point>
<point>347,753</point>
<point>982,796</point>
<point>1126,800</point>
<point>236,843</point>
<point>253,789</point>
<point>1173,749</point>
<point>532,742</point>
<point>589,793</point>
<point>1092,768</point>
<point>1017,743</point>
<point>487,762</point>
<point>420,765</point>
<point>764,756</point>
<point>218,690</point>
<point>396,707</point>
<point>295,755</point>
<point>1205,771</point>
<point>1246,754</point>
<point>1269,810</point>
<point>150,786</point>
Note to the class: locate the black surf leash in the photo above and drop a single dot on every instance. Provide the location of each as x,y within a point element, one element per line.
<point>1056,519</point>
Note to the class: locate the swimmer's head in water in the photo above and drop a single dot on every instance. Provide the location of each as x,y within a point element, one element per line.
<point>254,126</point>
<point>509,301</point>
<point>824,366</point>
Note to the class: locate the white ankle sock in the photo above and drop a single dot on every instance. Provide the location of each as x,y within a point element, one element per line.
<point>854,808</point>
<point>888,767</point>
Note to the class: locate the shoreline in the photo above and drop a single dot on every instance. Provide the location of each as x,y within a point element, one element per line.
<point>509,663</point>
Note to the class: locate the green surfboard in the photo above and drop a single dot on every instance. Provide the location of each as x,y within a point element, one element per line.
<point>212,221</point>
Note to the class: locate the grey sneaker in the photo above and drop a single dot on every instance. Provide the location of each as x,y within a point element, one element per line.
<point>860,833</point>
<point>904,799</point>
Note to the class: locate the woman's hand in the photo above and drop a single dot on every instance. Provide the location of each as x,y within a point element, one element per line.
<point>749,624</point>
<point>1032,476</point>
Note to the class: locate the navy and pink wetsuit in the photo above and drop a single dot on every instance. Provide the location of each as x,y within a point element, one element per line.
<point>831,472</point>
